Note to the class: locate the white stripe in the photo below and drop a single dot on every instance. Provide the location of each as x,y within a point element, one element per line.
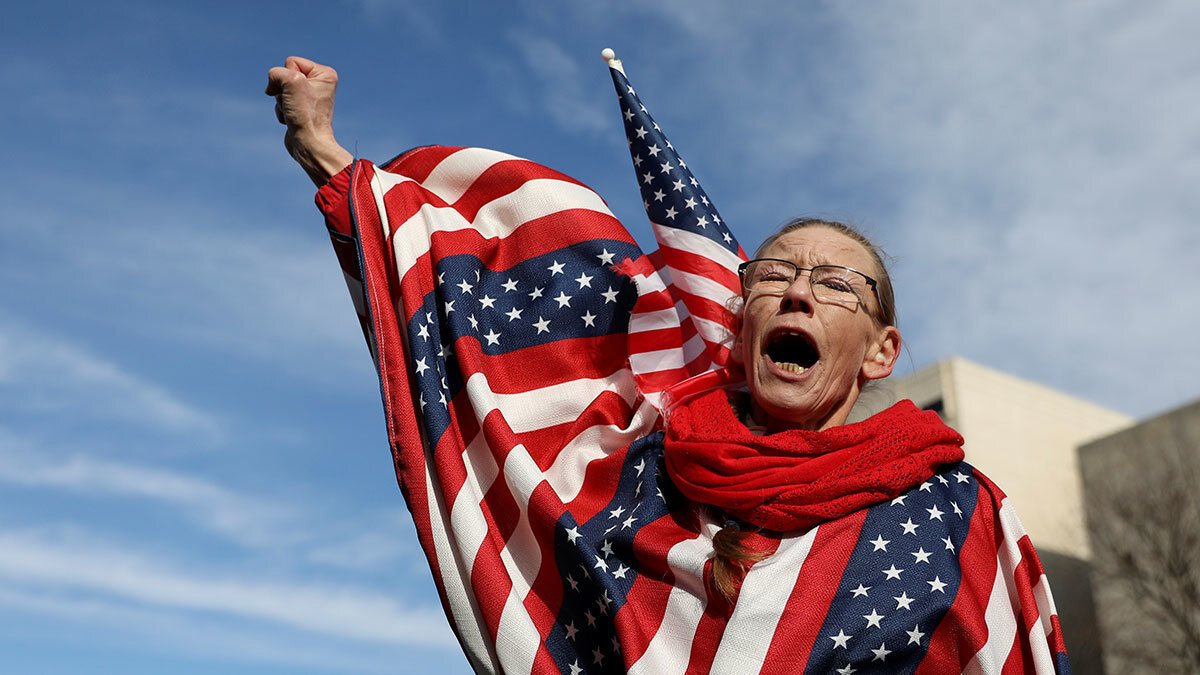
<point>669,237</point>
<point>670,649</point>
<point>498,218</point>
<point>548,406</point>
<point>455,564</point>
<point>714,332</point>
<point>455,174</point>
<point>1000,616</point>
<point>570,465</point>
<point>1043,659</point>
<point>662,359</point>
<point>704,287</point>
<point>517,638</point>
<point>648,321</point>
<point>761,601</point>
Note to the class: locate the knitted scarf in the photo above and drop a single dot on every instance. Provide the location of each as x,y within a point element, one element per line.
<point>794,480</point>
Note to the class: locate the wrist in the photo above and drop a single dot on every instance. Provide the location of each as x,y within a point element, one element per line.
<point>319,154</point>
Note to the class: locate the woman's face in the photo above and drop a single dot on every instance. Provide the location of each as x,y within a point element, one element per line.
<point>806,360</point>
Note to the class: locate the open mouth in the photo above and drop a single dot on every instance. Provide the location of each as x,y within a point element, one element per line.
<point>793,352</point>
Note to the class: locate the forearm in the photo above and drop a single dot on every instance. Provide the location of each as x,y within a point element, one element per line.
<point>321,156</point>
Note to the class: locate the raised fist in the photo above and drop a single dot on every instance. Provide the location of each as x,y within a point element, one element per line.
<point>304,92</point>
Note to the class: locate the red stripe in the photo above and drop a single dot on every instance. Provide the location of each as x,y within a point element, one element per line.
<point>702,266</point>
<point>800,623</point>
<point>962,632</point>
<point>556,362</point>
<point>640,618</point>
<point>419,162</point>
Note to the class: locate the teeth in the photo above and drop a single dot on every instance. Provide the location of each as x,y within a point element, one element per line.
<point>791,367</point>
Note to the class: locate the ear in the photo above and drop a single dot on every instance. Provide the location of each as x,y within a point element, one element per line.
<point>882,354</point>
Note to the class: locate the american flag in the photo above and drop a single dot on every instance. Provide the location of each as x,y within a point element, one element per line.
<point>522,342</point>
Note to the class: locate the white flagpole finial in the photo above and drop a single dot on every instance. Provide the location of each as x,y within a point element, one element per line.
<point>610,57</point>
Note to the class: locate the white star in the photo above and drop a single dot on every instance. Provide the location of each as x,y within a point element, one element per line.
<point>637,161</point>
<point>628,522</point>
<point>449,307</point>
<point>601,565</point>
<point>892,572</point>
<point>961,477</point>
<point>881,653</point>
<point>620,572</point>
<point>702,221</point>
<point>861,590</point>
<point>716,218</point>
<point>840,639</point>
<point>690,203</point>
<point>563,300</point>
<point>903,601</point>
<point>880,543</point>
<point>909,527</point>
<point>598,655</point>
<point>555,268</point>
<point>915,635</point>
<point>421,367</point>
<point>671,213</point>
<point>510,285</point>
<point>605,257</point>
<point>616,513</point>
<point>535,294</point>
<point>628,115</point>
<point>513,314</point>
<point>466,288</point>
<point>926,487</point>
<point>606,549</point>
<point>949,545</point>
<point>573,534</point>
<point>641,131</point>
<point>441,278</point>
<point>937,585</point>
<point>665,167</point>
<point>584,280</point>
<point>542,325</point>
<point>659,195</point>
<point>899,500</point>
<point>591,619</point>
<point>873,618</point>
<point>840,671</point>
<point>677,186</point>
<point>935,513</point>
<point>421,400</point>
<point>728,239</point>
<point>704,200</point>
<point>492,337</point>
<point>610,295</point>
<point>647,178</point>
<point>921,555</point>
<point>574,584</point>
<point>957,510</point>
<point>487,301</point>
<point>442,398</point>
<point>589,319</point>
<point>693,181</point>
<point>474,322</point>
<point>654,150</point>
<point>423,332</point>
<point>640,466</point>
<point>571,630</point>
<point>575,669</point>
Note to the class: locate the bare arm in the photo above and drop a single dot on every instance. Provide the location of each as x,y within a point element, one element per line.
<point>304,92</point>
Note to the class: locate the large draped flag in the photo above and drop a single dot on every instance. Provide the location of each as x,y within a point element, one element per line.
<point>524,344</point>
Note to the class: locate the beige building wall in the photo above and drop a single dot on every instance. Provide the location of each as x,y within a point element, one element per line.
<point>1023,436</point>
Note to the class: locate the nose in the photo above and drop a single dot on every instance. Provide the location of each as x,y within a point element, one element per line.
<point>798,296</point>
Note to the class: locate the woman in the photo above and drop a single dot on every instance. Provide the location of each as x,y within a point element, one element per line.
<point>733,532</point>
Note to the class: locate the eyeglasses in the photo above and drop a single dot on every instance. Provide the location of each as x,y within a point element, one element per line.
<point>830,283</point>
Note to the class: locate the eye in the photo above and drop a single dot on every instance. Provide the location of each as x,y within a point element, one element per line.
<point>836,284</point>
<point>769,272</point>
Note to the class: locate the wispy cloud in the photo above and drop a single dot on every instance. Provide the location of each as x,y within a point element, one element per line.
<point>560,83</point>
<point>39,561</point>
<point>44,374</point>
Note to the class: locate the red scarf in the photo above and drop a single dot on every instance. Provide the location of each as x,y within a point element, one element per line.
<point>796,479</point>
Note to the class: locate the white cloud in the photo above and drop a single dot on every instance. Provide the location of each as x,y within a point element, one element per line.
<point>41,562</point>
<point>42,373</point>
<point>561,82</point>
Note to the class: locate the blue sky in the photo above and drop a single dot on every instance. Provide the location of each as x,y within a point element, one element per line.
<point>194,475</point>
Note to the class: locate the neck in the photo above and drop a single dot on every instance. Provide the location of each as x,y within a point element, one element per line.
<point>813,421</point>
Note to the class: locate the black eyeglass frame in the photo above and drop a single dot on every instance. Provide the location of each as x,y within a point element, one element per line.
<point>742,276</point>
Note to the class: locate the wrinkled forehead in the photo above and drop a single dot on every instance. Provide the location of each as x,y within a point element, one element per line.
<point>811,246</point>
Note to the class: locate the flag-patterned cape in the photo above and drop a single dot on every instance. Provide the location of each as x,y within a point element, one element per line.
<point>524,344</point>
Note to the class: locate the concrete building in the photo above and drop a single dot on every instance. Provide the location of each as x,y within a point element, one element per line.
<point>1143,507</point>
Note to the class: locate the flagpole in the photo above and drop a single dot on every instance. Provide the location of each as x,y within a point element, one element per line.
<point>610,57</point>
